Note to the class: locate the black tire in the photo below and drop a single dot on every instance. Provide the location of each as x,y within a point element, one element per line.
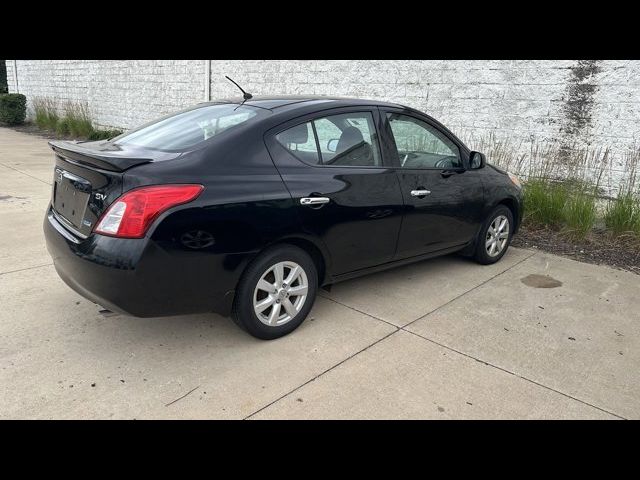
<point>481,255</point>
<point>243,313</point>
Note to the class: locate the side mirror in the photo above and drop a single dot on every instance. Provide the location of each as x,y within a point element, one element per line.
<point>332,145</point>
<point>477,160</point>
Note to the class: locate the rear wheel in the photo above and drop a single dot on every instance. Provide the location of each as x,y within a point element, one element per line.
<point>276,292</point>
<point>495,236</point>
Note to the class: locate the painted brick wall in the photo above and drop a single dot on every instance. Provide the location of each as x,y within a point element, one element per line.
<point>525,102</point>
<point>119,93</point>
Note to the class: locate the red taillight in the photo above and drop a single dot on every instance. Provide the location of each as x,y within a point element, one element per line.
<point>131,214</point>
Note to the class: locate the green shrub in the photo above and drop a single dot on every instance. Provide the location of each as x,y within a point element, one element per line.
<point>62,127</point>
<point>580,213</point>
<point>13,108</point>
<point>77,119</point>
<point>4,88</point>
<point>46,112</point>
<point>545,201</point>
<point>623,214</point>
<point>104,134</point>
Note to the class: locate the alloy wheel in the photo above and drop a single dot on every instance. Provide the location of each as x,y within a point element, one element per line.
<point>497,236</point>
<point>280,293</point>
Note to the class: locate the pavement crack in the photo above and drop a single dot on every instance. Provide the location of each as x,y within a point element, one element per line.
<point>180,398</point>
<point>359,311</point>
<point>514,374</point>
<point>27,268</point>
<point>321,374</point>
<point>24,173</point>
<point>470,290</point>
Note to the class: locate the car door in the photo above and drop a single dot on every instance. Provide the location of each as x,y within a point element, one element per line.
<point>344,193</point>
<point>442,198</point>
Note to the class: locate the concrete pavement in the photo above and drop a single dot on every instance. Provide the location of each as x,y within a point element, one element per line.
<point>445,338</point>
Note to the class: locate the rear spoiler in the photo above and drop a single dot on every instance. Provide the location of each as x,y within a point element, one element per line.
<point>112,161</point>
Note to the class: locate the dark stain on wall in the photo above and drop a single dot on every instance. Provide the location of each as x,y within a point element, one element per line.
<point>578,104</point>
<point>581,90</point>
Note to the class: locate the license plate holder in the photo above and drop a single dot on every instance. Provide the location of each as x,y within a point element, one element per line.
<point>71,196</point>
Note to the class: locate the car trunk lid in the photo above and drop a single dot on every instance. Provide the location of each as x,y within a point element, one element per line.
<point>88,177</point>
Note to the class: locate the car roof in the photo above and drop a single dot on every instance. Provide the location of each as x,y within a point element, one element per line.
<point>283,108</point>
<point>300,101</point>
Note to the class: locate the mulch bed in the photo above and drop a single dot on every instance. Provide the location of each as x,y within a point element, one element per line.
<point>599,247</point>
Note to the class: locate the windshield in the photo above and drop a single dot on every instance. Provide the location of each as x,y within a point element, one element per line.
<point>189,128</point>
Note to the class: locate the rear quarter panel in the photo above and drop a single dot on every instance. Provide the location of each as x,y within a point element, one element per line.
<point>244,208</point>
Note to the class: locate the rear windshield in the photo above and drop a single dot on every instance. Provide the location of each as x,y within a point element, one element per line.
<point>187,129</point>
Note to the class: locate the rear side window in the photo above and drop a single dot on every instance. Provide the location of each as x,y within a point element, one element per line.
<point>348,139</point>
<point>188,129</point>
<point>301,143</point>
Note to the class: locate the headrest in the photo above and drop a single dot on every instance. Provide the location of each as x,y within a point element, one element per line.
<point>353,134</point>
<point>350,136</point>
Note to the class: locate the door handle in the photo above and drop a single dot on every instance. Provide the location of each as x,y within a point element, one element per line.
<point>314,200</point>
<point>420,193</point>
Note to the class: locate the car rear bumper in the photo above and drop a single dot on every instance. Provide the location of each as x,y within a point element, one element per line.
<point>136,276</point>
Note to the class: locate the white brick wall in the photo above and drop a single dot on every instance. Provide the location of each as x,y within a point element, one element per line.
<point>523,100</point>
<point>120,93</point>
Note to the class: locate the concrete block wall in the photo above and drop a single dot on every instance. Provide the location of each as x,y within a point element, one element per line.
<point>523,102</point>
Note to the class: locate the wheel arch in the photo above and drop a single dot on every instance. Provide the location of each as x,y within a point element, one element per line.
<point>311,246</point>
<point>509,202</point>
<point>512,205</point>
<point>315,252</point>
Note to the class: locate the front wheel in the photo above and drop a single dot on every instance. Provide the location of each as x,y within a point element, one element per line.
<point>495,236</point>
<point>276,292</point>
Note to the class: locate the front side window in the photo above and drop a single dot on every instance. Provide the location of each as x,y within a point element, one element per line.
<point>347,139</point>
<point>187,129</point>
<point>422,146</point>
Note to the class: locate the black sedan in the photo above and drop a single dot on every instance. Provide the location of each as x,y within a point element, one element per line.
<point>246,208</point>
